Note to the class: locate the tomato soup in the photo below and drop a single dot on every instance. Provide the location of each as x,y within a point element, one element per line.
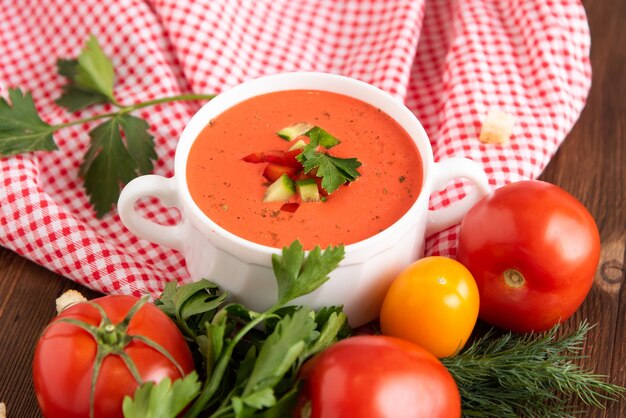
<point>230,191</point>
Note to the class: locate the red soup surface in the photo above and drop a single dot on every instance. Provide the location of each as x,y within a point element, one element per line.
<point>230,191</point>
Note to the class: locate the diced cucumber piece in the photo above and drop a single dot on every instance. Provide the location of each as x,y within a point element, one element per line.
<point>280,191</point>
<point>308,191</point>
<point>321,137</point>
<point>299,144</point>
<point>294,131</point>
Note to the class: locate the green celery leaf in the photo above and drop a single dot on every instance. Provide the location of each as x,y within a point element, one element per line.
<point>283,407</point>
<point>333,171</point>
<point>316,268</point>
<point>215,332</point>
<point>165,302</point>
<point>139,142</point>
<point>319,136</point>
<point>74,98</point>
<point>247,365</point>
<point>200,303</point>
<point>279,352</point>
<point>347,167</point>
<point>240,311</point>
<point>260,399</point>
<point>108,163</point>
<point>333,328</point>
<point>68,68</point>
<point>95,70</point>
<point>163,400</point>
<point>286,269</point>
<point>21,128</point>
<point>270,323</point>
<point>184,292</point>
<point>90,78</point>
<point>297,277</point>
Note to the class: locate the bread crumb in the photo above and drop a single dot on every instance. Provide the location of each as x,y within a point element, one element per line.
<point>67,299</point>
<point>497,127</point>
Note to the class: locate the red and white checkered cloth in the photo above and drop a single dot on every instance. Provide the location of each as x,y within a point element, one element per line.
<point>449,60</point>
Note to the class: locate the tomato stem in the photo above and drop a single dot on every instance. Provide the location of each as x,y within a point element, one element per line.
<point>514,278</point>
<point>109,335</point>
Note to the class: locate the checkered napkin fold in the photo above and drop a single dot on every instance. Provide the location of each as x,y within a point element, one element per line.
<point>449,60</point>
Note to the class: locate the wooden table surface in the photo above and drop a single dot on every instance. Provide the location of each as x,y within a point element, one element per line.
<point>590,165</point>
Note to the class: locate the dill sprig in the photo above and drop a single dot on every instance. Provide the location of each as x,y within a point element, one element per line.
<point>532,375</point>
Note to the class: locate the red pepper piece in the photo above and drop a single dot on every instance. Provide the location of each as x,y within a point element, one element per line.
<point>275,157</point>
<point>290,207</point>
<point>290,158</point>
<point>273,171</point>
<point>256,157</point>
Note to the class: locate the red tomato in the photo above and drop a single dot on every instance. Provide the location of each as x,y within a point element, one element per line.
<point>377,377</point>
<point>63,367</point>
<point>533,250</point>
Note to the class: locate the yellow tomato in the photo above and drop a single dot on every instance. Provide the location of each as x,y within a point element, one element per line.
<point>433,303</point>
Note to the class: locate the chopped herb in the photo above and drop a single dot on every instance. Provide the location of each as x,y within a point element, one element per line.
<point>321,137</point>
<point>333,171</point>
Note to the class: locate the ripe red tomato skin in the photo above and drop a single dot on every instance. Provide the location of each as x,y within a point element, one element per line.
<point>377,377</point>
<point>64,356</point>
<point>545,234</point>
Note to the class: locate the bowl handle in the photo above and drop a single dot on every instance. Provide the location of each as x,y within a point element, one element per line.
<point>162,188</point>
<point>445,171</point>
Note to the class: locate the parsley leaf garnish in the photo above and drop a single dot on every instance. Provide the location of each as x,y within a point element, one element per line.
<point>121,148</point>
<point>334,171</point>
<point>90,78</point>
<point>110,161</point>
<point>76,97</point>
<point>21,128</point>
<point>322,137</point>
<point>296,276</point>
<point>163,400</point>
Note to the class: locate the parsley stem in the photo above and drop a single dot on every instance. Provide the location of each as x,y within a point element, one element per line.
<point>130,108</point>
<point>180,97</point>
<point>55,128</point>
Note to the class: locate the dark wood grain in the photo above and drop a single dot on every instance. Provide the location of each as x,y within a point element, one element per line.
<point>590,165</point>
<point>28,294</point>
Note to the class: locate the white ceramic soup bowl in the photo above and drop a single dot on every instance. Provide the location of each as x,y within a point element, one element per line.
<point>244,268</point>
